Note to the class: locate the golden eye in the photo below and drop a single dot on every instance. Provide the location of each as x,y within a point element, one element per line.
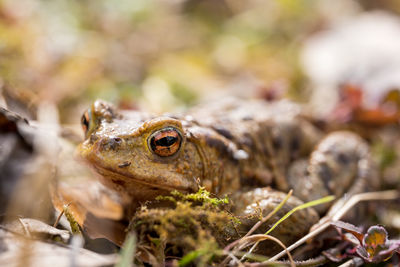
<point>85,121</point>
<point>165,142</point>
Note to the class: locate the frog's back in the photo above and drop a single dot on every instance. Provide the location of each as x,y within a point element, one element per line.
<point>270,133</point>
<point>233,112</point>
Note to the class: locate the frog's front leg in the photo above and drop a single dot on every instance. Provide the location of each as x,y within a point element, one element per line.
<point>341,164</point>
<point>253,205</point>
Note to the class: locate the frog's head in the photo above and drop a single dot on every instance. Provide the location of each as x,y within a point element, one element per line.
<point>139,154</point>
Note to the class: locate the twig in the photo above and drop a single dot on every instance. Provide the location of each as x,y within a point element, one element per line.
<point>262,260</point>
<point>381,195</point>
<point>308,263</point>
<point>58,218</point>
<point>355,262</point>
<point>27,232</point>
<point>325,221</point>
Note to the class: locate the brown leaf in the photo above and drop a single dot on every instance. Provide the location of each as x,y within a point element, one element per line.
<point>37,229</point>
<point>334,255</point>
<point>357,232</point>
<point>17,251</point>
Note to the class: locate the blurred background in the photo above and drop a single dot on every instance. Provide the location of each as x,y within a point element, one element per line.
<point>340,59</point>
<point>165,55</point>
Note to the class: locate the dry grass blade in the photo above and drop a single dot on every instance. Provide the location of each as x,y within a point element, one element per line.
<point>247,241</point>
<point>325,221</point>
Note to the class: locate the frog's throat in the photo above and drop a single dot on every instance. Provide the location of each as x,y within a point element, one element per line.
<point>114,177</point>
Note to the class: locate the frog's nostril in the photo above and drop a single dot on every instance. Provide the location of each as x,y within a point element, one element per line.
<point>116,140</point>
<point>110,143</point>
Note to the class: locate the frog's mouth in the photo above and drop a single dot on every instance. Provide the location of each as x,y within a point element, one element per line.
<point>127,180</point>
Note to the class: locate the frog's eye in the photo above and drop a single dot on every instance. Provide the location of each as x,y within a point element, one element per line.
<point>165,142</point>
<point>85,121</point>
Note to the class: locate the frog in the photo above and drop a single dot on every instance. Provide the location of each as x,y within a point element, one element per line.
<point>250,150</point>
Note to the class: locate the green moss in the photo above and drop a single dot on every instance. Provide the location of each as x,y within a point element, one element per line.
<point>202,196</point>
<point>75,229</point>
<point>167,198</point>
<point>195,222</point>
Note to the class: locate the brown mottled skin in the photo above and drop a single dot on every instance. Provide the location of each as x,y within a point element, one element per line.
<point>235,147</point>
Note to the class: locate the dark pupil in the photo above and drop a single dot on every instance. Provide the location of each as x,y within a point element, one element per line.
<point>166,141</point>
<point>85,121</point>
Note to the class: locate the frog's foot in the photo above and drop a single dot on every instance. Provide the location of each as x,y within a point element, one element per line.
<point>253,205</point>
<point>341,165</point>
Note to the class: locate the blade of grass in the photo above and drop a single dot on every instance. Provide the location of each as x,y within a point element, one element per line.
<point>127,252</point>
<point>300,207</point>
<point>191,256</point>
